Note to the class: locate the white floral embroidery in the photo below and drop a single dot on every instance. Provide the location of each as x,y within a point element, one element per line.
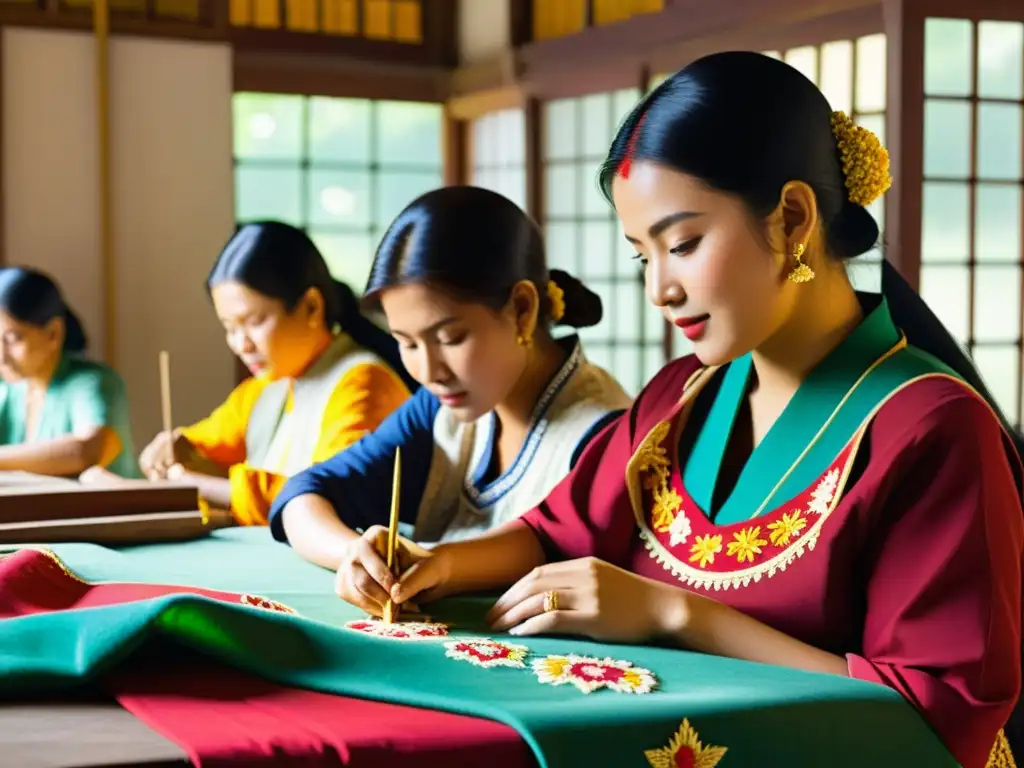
<point>822,496</point>
<point>680,529</point>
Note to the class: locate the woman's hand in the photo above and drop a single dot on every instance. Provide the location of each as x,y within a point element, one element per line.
<point>163,452</point>
<point>594,599</point>
<point>363,578</point>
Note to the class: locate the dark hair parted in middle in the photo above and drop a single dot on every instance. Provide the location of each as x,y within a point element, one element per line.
<point>282,262</point>
<point>476,245</point>
<point>747,124</point>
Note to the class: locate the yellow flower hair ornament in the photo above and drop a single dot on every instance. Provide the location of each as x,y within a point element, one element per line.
<point>865,160</point>
<point>556,297</point>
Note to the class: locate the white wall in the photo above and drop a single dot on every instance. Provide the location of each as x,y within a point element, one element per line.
<point>172,198</point>
<point>173,204</point>
<point>50,165</point>
<point>483,29</point>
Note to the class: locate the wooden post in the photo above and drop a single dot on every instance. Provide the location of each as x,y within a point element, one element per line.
<point>101,34</point>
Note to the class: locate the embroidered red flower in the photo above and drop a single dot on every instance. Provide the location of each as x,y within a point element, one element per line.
<point>589,674</point>
<point>409,630</point>
<point>268,605</point>
<point>485,652</point>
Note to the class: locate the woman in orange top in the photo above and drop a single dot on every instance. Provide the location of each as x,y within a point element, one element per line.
<point>323,375</point>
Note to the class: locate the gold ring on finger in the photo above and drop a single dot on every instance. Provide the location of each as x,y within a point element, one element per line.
<point>550,601</point>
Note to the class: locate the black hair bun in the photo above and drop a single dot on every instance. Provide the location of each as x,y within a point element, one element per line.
<point>583,308</point>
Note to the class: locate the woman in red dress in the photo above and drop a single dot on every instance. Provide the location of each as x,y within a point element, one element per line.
<point>826,484</point>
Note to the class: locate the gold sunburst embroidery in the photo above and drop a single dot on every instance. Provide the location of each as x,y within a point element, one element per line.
<point>786,528</point>
<point>705,548</point>
<point>746,543</point>
<point>666,504</point>
<point>685,748</point>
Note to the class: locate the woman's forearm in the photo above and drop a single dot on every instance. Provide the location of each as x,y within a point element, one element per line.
<point>315,531</point>
<point>66,456</point>
<point>494,560</point>
<point>216,491</point>
<point>699,623</point>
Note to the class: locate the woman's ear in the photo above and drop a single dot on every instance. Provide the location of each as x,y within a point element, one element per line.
<point>524,304</point>
<point>795,218</point>
<point>312,308</point>
<point>55,330</point>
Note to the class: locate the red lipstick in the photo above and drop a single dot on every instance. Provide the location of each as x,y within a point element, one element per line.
<point>693,327</point>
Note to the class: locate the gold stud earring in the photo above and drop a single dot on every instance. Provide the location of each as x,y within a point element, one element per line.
<point>523,340</point>
<point>801,272</point>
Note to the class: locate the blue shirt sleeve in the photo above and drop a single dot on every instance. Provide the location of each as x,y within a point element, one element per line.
<point>357,481</point>
<point>595,429</point>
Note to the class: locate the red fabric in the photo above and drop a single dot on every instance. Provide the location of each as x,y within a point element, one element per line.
<point>225,718</point>
<point>33,582</point>
<point>916,576</point>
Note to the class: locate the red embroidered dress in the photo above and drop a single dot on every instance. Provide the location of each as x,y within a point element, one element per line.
<point>880,518</point>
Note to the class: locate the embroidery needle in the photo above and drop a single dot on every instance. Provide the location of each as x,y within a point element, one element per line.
<point>390,611</point>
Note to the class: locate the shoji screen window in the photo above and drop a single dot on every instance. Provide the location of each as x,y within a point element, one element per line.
<point>499,154</point>
<point>341,169</point>
<point>584,236</point>
<point>971,251</point>
<point>851,74</point>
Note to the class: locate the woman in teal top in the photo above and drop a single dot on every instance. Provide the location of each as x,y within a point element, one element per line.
<point>59,412</point>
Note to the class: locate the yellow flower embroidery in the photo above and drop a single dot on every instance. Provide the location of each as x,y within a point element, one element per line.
<point>789,526</point>
<point>705,548</point>
<point>666,503</point>
<point>746,544</point>
<point>651,455</point>
<point>685,748</point>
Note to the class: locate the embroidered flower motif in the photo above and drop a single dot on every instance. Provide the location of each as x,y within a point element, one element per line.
<point>680,529</point>
<point>746,544</point>
<point>485,652</point>
<point>705,548</point>
<point>822,496</point>
<point>685,749</point>
<point>651,454</point>
<point>588,674</point>
<point>666,503</point>
<point>408,630</point>
<point>268,605</point>
<point>786,528</point>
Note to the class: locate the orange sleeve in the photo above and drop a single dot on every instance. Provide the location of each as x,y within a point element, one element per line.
<point>364,397</point>
<point>220,437</point>
<point>252,492</point>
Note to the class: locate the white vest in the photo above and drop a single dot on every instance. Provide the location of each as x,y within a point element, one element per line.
<point>282,442</point>
<point>452,508</point>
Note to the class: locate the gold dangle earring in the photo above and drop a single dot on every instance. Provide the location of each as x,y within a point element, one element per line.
<point>523,340</point>
<point>801,272</point>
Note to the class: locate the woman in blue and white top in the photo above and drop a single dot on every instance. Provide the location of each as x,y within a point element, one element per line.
<point>505,407</point>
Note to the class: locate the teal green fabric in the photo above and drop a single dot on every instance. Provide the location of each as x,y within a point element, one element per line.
<point>764,715</point>
<point>83,394</point>
<point>804,415</point>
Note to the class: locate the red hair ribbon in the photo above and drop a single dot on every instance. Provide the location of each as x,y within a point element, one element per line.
<point>627,159</point>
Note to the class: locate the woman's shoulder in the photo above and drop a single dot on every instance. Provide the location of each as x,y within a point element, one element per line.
<point>942,412</point>
<point>81,372</point>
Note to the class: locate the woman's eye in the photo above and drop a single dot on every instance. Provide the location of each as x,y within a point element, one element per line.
<point>452,341</point>
<point>641,258</point>
<point>684,248</point>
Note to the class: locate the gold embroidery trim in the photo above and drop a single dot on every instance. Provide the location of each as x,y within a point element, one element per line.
<point>651,457</point>
<point>685,739</point>
<point>1001,756</point>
